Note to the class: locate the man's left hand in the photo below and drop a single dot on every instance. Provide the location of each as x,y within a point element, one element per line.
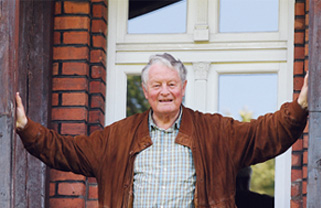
<point>303,97</point>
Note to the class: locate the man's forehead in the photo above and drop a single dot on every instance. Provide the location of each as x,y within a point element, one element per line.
<point>164,74</point>
<point>161,65</point>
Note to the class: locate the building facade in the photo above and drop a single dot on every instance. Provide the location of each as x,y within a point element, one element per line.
<point>74,80</point>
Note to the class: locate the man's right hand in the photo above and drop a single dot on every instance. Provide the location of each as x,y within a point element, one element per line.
<point>21,118</point>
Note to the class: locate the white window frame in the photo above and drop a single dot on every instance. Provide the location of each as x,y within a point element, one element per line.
<point>222,53</point>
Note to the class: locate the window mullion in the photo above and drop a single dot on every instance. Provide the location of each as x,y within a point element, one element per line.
<point>201,28</point>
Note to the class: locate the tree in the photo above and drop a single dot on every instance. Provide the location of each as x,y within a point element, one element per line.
<point>136,102</point>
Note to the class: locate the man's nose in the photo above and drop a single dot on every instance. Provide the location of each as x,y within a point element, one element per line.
<point>164,90</point>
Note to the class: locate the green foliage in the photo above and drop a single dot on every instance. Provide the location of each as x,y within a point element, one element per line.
<point>262,180</point>
<point>136,102</point>
<point>246,115</point>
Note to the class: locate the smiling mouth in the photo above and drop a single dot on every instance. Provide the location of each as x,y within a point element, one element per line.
<point>165,101</point>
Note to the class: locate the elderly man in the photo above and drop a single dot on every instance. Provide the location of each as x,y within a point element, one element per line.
<point>169,156</point>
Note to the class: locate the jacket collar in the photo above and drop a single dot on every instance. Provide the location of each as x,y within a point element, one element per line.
<point>185,134</point>
<point>142,138</point>
<point>175,126</point>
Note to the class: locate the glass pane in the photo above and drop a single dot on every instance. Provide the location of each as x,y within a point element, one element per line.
<point>256,93</point>
<point>154,16</point>
<point>249,16</point>
<point>136,102</point>
<point>246,96</point>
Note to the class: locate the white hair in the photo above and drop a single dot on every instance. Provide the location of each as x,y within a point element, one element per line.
<point>167,60</point>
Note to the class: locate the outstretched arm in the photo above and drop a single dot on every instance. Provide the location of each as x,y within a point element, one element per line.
<point>78,154</point>
<point>303,97</point>
<point>21,118</point>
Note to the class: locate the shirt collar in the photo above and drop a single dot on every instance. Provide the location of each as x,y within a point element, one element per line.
<point>175,126</point>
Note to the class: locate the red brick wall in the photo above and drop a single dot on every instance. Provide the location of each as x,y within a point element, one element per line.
<point>299,149</point>
<point>78,92</point>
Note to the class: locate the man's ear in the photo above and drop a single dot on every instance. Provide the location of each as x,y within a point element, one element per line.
<point>184,87</point>
<point>145,91</point>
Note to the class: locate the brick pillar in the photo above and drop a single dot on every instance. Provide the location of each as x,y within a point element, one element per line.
<point>78,94</point>
<point>97,82</point>
<point>299,149</point>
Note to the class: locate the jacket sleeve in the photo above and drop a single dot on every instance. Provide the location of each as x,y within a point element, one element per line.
<point>79,154</point>
<point>266,137</point>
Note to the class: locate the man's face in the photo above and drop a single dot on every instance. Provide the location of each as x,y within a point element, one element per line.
<point>164,90</point>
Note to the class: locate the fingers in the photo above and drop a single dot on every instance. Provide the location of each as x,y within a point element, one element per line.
<point>21,119</point>
<point>306,79</point>
<point>303,96</point>
<point>18,100</point>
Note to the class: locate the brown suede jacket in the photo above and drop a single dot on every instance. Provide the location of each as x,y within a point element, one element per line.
<point>220,147</point>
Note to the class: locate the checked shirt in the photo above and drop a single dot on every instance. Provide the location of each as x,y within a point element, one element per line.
<point>164,173</point>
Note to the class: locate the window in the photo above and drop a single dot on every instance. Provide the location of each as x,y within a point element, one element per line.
<point>241,97</point>
<point>249,16</point>
<point>256,93</point>
<point>154,17</point>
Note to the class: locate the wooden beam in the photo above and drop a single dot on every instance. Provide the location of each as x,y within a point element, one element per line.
<point>9,33</point>
<point>26,30</point>
<point>314,151</point>
<point>34,84</point>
